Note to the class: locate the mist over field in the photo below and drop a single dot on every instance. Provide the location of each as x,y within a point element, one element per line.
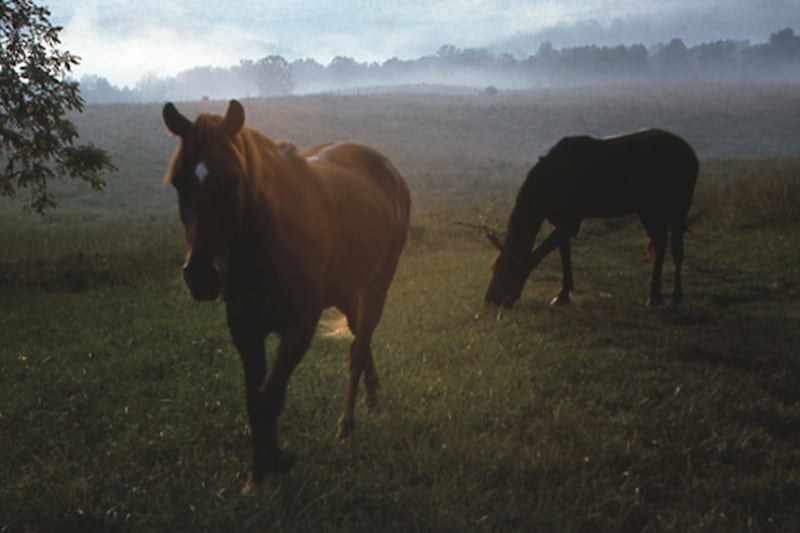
<point>450,68</point>
<point>124,41</point>
<point>177,50</point>
<point>444,143</point>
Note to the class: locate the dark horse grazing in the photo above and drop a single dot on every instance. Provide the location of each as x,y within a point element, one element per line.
<point>650,173</point>
<point>282,236</point>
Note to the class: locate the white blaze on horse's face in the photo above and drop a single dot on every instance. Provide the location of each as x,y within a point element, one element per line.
<point>201,172</point>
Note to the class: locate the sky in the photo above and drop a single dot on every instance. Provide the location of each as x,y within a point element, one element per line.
<point>124,40</point>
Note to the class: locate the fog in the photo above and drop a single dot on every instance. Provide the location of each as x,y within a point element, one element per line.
<point>187,50</point>
<point>476,69</point>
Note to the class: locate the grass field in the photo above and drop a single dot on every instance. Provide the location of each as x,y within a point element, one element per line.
<point>121,400</point>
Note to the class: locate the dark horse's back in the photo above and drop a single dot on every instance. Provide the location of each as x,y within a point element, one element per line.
<point>645,172</point>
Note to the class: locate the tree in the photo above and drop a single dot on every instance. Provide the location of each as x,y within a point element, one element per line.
<point>36,140</point>
<point>717,60</point>
<point>345,69</point>
<point>98,90</point>
<point>675,59</point>
<point>271,74</point>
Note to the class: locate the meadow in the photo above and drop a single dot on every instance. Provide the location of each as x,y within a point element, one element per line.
<point>122,403</point>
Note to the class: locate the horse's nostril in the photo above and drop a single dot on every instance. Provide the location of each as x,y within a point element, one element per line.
<point>202,278</point>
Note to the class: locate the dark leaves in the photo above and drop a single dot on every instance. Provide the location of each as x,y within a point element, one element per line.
<point>36,141</point>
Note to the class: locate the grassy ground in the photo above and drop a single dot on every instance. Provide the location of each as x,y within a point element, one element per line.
<point>122,408</point>
<point>121,401</point>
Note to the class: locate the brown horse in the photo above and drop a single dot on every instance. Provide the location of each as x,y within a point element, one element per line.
<point>282,236</point>
<point>650,173</point>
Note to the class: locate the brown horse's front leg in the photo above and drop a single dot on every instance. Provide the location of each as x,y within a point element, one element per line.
<point>266,395</point>
<point>263,441</point>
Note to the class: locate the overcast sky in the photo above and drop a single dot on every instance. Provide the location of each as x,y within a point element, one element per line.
<point>123,40</point>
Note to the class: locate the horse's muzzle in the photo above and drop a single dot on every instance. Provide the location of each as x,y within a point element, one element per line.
<point>497,299</point>
<point>201,277</point>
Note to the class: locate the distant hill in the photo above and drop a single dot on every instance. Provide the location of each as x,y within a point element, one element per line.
<point>439,138</point>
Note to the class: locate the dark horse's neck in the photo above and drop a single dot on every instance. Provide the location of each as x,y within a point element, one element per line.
<point>525,220</point>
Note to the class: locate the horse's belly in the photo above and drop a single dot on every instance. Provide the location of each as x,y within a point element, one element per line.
<point>354,266</point>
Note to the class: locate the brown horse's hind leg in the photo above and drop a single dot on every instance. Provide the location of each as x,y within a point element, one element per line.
<point>370,310</point>
<point>349,309</point>
<point>361,362</point>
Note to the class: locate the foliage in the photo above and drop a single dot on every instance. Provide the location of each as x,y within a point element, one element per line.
<point>37,140</point>
<point>271,74</point>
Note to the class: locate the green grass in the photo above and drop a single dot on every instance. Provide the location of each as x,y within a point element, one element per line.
<point>122,405</point>
<point>121,400</point>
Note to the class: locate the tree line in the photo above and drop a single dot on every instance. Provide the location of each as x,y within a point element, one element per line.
<point>778,59</point>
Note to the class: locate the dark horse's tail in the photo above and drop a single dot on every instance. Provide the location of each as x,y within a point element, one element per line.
<point>650,247</point>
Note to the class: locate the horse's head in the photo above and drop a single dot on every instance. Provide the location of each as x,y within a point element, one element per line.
<point>509,272</point>
<point>508,278</point>
<point>207,172</point>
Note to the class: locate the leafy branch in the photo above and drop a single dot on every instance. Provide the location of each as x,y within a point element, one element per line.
<point>37,142</point>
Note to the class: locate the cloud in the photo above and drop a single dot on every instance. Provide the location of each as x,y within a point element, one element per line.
<point>653,23</point>
<point>123,49</point>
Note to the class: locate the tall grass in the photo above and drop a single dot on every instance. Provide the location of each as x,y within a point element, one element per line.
<point>76,256</point>
<point>75,249</point>
<point>750,193</point>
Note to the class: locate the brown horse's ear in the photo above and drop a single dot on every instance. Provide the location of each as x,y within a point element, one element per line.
<point>234,118</point>
<point>176,123</point>
<point>495,240</point>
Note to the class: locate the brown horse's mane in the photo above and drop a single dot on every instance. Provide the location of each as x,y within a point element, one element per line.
<point>207,134</point>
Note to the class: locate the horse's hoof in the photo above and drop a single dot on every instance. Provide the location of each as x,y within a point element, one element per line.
<point>251,485</point>
<point>280,465</point>
<point>255,478</point>
<point>284,462</point>
<point>561,299</point>
<point>346,427</point>
<point>371,401</point>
